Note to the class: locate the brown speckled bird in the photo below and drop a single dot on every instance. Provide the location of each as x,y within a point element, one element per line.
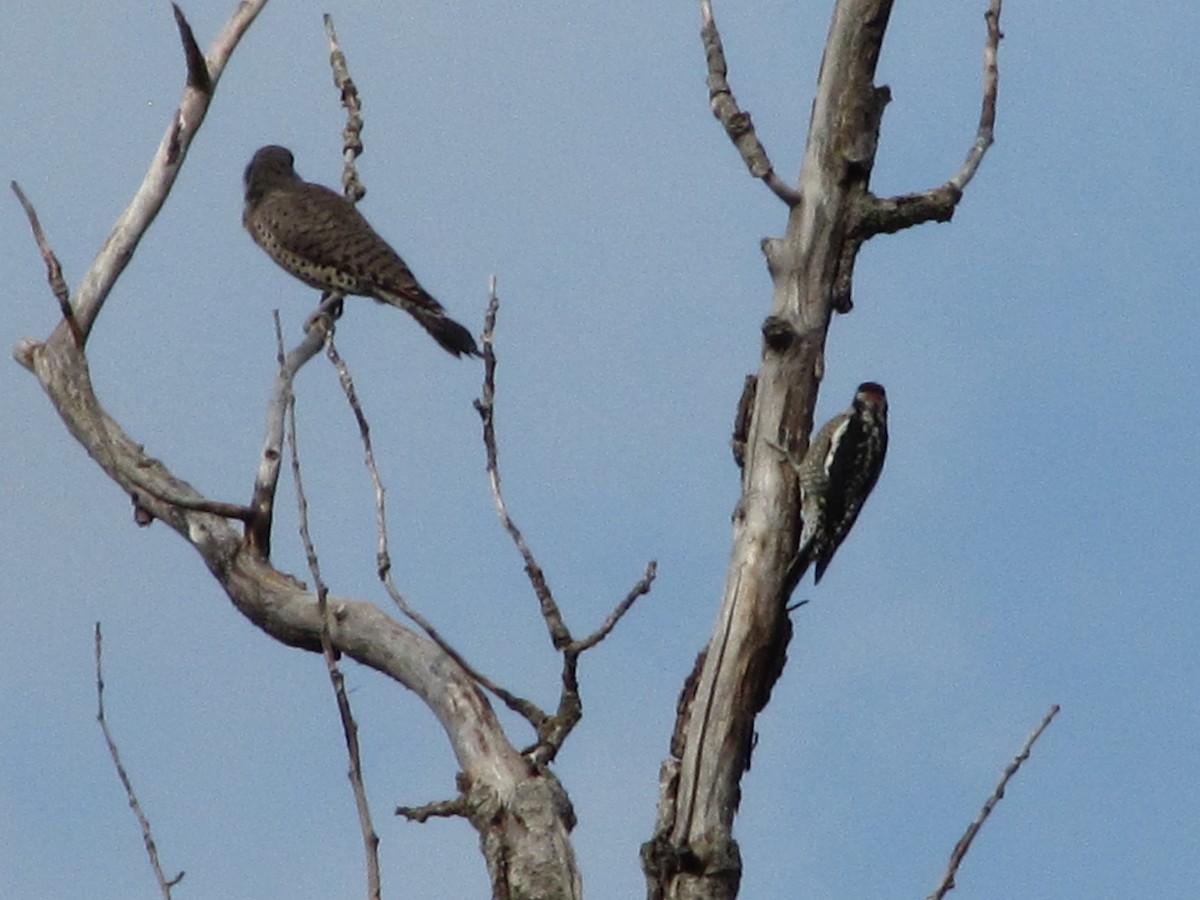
<point>318,236</point>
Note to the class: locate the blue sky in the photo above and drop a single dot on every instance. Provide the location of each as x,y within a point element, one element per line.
<point>1030,542</point>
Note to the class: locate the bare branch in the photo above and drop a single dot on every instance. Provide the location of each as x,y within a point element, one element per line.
<point>352,145</point>
<point>640,589</point>
<point>557,728</point>
<point>552,730</point>
<point>321,323</point>
<point>383,559</point>
<point>560,636</point>
<point>505,796</point>
<point>164,884</point>
<point>349,727</point>
<point>216,507</point>
<point>127,233</point>
<point>964,843</point>
<point>887,216</point>
<point>444,809</point>
<point>987,113</point>
<point>737,123</point>
<point>503,791</point>
<point>197,68</point>
<point>54,273</point>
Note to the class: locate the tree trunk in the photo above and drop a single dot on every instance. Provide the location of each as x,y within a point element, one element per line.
<point>693,853</point>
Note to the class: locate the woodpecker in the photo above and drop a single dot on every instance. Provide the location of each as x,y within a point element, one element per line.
<point>837,474</point>
<point>318,236</point>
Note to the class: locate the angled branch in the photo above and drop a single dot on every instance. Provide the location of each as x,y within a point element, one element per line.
<point>552,730</point>
<point>887,216</point>
<point>737,123</point>
<point>557,728</point>
<point>383,559</point>
<point>54,274</point>
<point>258,532</point>
<point>127,233</point>
<point>964,843</point>
<point>610,622</point>
<point>560,636</point>
<point>442,809</point>
<point>164,884</point>
<point>215,507</point>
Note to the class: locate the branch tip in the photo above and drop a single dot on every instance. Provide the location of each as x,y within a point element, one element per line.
<point>887,216</point>
<point>352,144</point>
<point>54,274</point>
<point>164,883</point>
<point>198,76</point>
<point>737,123</point>
<point>964,843</point>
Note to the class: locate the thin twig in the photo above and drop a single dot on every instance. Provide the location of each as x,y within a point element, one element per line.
<point>964,843</point>
<point>54,272</point>
<point>987,113</point>
<point>640,589</point>
<point>352,145</point>
<point>164,884</point>
<point>737,123</point>
<point>383,559</point>
<point>560,636</point>
<point>349,726</point>
<point>552,730</point>
<point>558,727</point>
<point>445,809</point>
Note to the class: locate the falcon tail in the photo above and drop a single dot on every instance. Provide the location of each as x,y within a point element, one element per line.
<point>454,338</point>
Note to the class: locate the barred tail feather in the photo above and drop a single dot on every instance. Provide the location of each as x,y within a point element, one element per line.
<point>454,338</point>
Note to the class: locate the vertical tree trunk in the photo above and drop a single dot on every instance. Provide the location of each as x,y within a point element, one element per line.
<point>694,854</point>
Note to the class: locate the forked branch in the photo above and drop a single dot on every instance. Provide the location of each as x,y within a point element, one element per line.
<point>887,216</point>
<point>552,730</point>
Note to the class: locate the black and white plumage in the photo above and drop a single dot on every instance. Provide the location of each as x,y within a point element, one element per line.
<point>837,475</point>
<point>318,236</point>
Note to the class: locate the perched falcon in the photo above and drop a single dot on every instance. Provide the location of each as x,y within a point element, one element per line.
<point>837,474</point>
<point>317,235</point>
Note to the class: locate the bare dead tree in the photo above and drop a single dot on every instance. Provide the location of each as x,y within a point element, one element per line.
<point>831,213</point>
<point>512,798</point>
<point>510,795</point>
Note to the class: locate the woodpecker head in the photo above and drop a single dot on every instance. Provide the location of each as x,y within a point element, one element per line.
<point>272,165</point>
<point>870,400</point>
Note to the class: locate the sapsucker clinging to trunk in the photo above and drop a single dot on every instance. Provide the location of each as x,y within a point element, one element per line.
<point>318,236</point>
<point>837,474</point>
